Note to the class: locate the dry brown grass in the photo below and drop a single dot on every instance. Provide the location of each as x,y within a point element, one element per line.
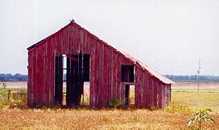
<point>90,119</point>
<point>114,119</point>
<point>93,119</point>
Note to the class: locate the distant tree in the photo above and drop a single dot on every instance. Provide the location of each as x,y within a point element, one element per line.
<point>4,85</point>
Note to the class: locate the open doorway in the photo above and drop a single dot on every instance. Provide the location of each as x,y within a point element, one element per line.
<point>64,78</point>
<point>129,95</point>
<point>78,72</point>
<point>127,77</point>
<point>58,80</point>
<point>72,76</point>
<point>132,95</point>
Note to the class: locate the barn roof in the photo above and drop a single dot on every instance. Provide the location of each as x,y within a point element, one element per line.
<point>145,67</point>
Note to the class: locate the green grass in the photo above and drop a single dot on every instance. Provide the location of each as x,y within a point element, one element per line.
<point>206,98</point>
<point>10,98</point>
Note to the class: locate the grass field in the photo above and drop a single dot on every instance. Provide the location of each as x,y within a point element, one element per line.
<point>185,100</point>
<point>187,94</point>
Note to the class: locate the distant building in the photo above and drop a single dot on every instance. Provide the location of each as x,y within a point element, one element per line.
<point>86,58</point>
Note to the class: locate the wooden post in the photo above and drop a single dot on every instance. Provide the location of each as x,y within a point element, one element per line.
<point>9,94</point>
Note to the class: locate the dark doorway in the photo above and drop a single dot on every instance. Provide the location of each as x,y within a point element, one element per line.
<point>77,73</point>
<point>58,80</point>
<point>71,72</point>
<point>127,90</point>
<point>127,77</point>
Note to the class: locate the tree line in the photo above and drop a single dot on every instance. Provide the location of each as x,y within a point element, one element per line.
<point>13,77</point>
<point>193,78</point>
<point>176,78</point>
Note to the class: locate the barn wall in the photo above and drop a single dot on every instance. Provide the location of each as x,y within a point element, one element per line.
<point>105,71</point>
<point>150,92</point>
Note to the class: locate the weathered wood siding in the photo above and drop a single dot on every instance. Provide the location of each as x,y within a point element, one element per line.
<point>105,71</point>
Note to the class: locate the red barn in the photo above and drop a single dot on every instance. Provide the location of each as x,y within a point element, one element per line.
<point>76,56</point>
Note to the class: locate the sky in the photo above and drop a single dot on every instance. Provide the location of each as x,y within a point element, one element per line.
<point>170,36</point>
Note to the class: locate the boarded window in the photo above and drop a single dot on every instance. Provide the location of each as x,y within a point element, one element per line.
<point>127,73</point>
